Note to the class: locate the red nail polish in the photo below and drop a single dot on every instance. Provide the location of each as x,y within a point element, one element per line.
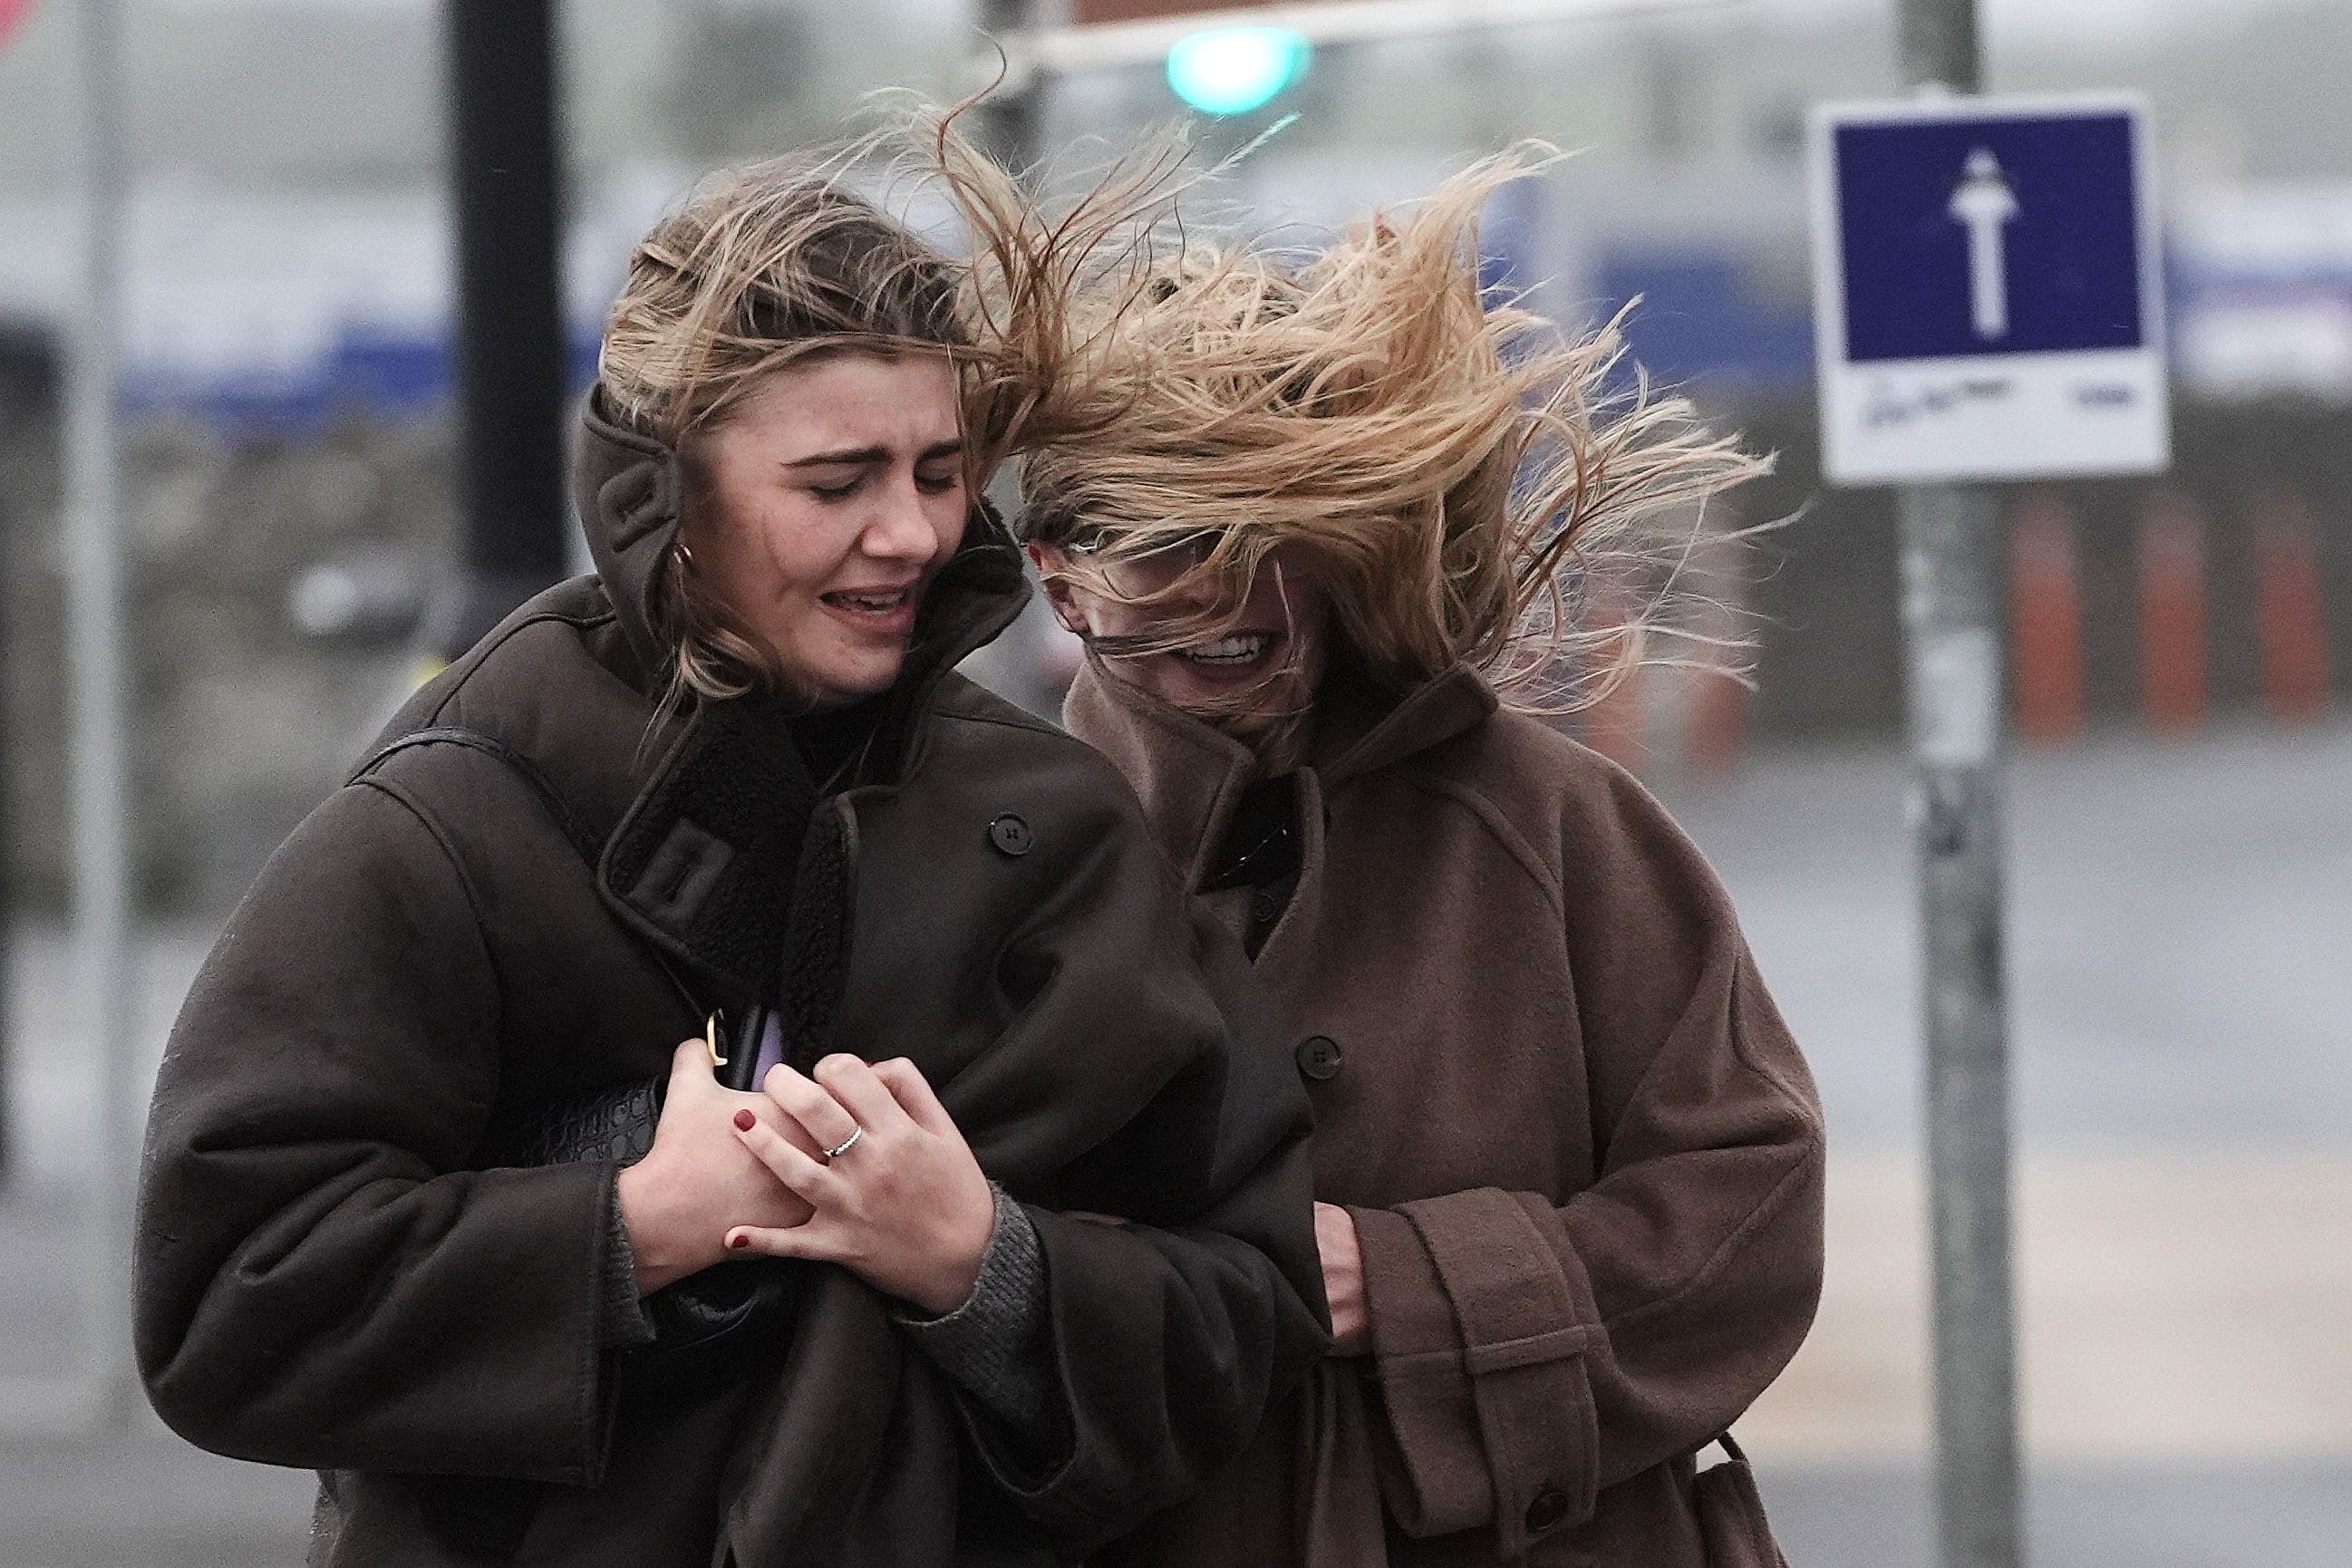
<point>744,1121</point>
<point>739,1242</point>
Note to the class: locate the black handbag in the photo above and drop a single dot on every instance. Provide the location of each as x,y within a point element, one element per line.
<point>713,1327</point>
<point>1731,1514</point>
<point>710,1327</point>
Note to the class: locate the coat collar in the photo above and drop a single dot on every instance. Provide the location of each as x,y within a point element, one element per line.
<point>1190,775</point>
<point>627,486</point>
<point>727,847</point>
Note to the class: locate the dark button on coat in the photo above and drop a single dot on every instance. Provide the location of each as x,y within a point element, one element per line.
<point>1010,834</point>
<point>1319,1057</point>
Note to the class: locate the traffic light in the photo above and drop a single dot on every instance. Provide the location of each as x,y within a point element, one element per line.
<point>1232,70</point>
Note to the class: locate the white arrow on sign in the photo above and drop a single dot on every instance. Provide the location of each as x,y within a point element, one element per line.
<point>1984,203</point>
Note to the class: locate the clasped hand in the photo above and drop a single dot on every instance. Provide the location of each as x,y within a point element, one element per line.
<point>902,1202</point>
<point>905,1205</point>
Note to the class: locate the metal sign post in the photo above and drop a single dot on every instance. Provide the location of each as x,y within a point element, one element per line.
<point>1951,552</point>
<point>108,1017</point>
<point>1985,287</point>
<point>11,13</point>
<point>101,1392</point>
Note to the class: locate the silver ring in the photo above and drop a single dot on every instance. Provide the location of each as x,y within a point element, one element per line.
<point>846,1145</point>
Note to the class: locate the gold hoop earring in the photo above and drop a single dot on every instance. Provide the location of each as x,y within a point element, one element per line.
<point>685,555</point>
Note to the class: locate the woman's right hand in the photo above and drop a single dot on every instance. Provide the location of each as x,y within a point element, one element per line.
<point>1343,1279</point>
<point>698,1180</point>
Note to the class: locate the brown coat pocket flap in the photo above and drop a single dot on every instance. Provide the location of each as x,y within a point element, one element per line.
<point>1523,1335</point>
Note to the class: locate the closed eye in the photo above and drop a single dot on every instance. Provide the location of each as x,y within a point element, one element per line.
<point>836,482</point>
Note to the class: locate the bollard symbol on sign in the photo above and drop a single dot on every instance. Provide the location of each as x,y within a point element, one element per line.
<point>1983,204</point>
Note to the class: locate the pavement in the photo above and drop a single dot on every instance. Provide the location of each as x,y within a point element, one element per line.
<point>2180,967</point>
<point>2180,962</point>
<point>145,1500</point>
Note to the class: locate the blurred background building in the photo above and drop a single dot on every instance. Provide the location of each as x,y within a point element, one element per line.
<point>289,368</point>
<point>2181,646</point>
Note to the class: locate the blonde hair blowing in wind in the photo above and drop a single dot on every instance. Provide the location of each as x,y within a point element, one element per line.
<point>1463,473</point>
<point>761,266</point>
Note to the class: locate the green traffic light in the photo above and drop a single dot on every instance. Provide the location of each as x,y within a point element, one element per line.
<point>1232,70</point>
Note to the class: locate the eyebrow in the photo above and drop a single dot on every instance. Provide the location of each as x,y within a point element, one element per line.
<point>850,454</point>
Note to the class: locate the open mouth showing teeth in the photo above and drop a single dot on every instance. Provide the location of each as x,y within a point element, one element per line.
<point>1244,648</point>
<point>870,604</point>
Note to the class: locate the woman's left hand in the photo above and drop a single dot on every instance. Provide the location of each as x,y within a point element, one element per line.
<point>1343,1279</point>
<point>904,1208</point>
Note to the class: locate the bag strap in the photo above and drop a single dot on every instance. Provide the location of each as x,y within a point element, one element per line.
<point>1731,1512</point>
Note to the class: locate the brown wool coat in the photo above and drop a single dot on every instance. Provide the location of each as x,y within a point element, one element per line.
<point>1582,1153</point>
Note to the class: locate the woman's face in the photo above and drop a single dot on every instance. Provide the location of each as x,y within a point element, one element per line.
<point>1270,660</point>
<point>826,502</point>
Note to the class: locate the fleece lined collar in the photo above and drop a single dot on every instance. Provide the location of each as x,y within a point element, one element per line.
<point>1190,775</point>
<point>730,816</point>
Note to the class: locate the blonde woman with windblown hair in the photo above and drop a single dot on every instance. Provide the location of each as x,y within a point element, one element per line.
<point>436,1202</point>
<point>1315,519</point>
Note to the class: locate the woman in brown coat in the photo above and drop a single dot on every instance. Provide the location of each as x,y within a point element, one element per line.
<point>1570,1160</point>
<point>399,1219</point>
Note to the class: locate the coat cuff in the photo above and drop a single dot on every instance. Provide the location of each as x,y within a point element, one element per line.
<point>994,1347</point>
<point>623,1322</point>
<point>1480,1323</point>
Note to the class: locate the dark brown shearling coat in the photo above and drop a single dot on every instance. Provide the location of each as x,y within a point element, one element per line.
<point>1581,1152</point>
<point>332,1275</point>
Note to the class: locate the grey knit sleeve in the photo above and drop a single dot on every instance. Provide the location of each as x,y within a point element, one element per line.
<point>996,1346</point>
<point>623,1319</point>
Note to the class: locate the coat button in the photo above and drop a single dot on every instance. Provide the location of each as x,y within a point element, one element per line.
<point>1550,1507</point>
<point>1011,834</point>
<point>1319,1057</point>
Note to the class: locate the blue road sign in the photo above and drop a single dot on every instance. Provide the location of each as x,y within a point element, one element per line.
<point>2037,217</point>
<point>1985,289</point>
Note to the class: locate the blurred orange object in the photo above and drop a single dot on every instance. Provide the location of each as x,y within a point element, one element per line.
<point>1715,724</point>
<point>2172,613</point>
<point>2288,615</point>
<point>2045,596</point>
<point>1613,724</point>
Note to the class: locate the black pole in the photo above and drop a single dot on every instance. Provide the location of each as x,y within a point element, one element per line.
<point>511,348</point>
<point>1005,125</point>
<point>31,385</point>
<point>8,556</point>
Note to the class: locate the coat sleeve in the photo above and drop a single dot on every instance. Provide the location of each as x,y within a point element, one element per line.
<point>1529,1353</point>
<point>1173,1330</point>
<point>319,1282</point>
